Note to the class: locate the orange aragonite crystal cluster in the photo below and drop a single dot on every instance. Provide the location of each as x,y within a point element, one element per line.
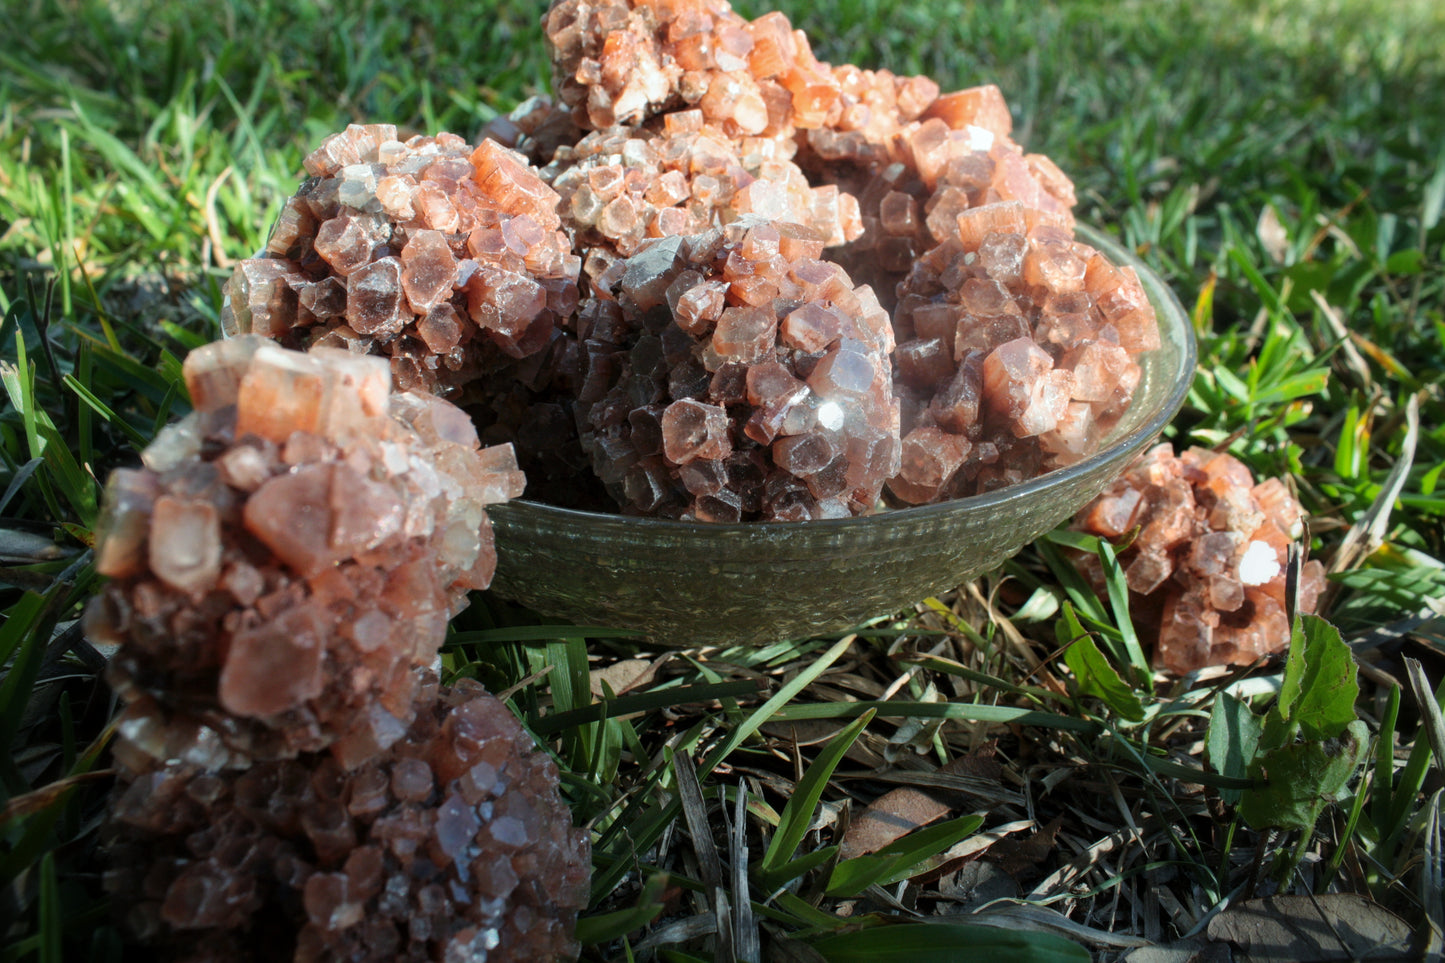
<point>289,556</point>
<point>1010,347</point>
<point>1018,344</point>
<point>283,569</point>
<point>1206,564</point>
<point>432,252</point>
<point>736,376</point>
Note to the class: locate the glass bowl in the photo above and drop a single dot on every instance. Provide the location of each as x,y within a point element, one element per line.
<point>689,583</point>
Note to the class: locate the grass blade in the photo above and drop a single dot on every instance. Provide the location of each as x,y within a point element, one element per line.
<point>798,813</point>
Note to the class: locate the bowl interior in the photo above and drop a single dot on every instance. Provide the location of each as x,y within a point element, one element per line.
<point>686,583</point>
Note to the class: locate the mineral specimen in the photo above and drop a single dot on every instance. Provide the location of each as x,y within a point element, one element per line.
<point>733,376</point>
<point>1016,345</point>
<point>441,256</point>
<point>286,561</point>
<point>621,186</point>
<point>1020,343</point>
<point>451,844</point>
<point>1206,564</point>
<point>530,293</point>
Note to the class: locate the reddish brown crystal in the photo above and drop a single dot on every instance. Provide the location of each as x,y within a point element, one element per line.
<point>444,257</point>
<point>737,406</point>
<point>1038,368</point>
<point>1206,563</point>
<point>452,844</point>
<point>288,560</point>
<point>534,293</point>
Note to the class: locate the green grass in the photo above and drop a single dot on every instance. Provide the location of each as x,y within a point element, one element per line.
<point>1281,164</point>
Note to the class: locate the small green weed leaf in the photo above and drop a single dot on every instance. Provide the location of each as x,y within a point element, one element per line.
<point>947,943</point>
<point>805,914</point>
<point>1099,679</point>
<point>1409,261</point>
<point>791,870</point>
<point>1317,696</point>
<point>798,813</point>
<point>1234,733</point>
<point>1299,780</point>
<point>899,860</point>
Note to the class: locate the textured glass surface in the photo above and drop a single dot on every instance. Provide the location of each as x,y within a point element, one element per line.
<point>685,583</point>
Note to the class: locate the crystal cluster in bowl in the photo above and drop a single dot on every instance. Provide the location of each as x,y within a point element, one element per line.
<point>719,280</point>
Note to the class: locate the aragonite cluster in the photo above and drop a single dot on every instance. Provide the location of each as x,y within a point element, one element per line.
<point>450,845</point>
<point>293,783</point>
<point>899,225</point>
<point>431,252</point>
<point>1206,561</point>
<point>735,376</point>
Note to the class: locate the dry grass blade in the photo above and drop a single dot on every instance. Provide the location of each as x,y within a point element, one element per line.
<point>1353,358</point>
<point>1432,720</point>
<point>1063,878</point>
<point>677,932</point>
<point>747,942</point>
<point>694,811</point>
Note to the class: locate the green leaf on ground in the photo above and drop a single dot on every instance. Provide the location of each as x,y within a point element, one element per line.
<point>1098,678</point>
<point>1234,733</point>
<point>1299,780</point>
<point>1317,696</point>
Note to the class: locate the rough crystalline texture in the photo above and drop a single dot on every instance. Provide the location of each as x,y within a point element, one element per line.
<point>620,62</point>
<point>443,257</point>
<point>494,282</point>
<point>1016,345</point>
<point>450,845</point>
<point>1206,564</point>
<point>621,186</point>
<point>915,168</point>
<point>735,376</point>
<point>1019,343</point>
<point>285,563</point>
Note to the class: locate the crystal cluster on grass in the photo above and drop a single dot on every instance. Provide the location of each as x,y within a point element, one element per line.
<point>441,256</point>
<point>1206,564</point>
<point>451,844</point>
<point>734,376</point>
<point>287,560</point>
<point>293,785</point>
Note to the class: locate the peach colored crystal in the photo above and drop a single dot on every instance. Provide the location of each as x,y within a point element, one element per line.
<point>763,393</point>
<point>433,253</point>
<point>545,272</point>
<point>1206,569</point>
<point>286,564</point>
